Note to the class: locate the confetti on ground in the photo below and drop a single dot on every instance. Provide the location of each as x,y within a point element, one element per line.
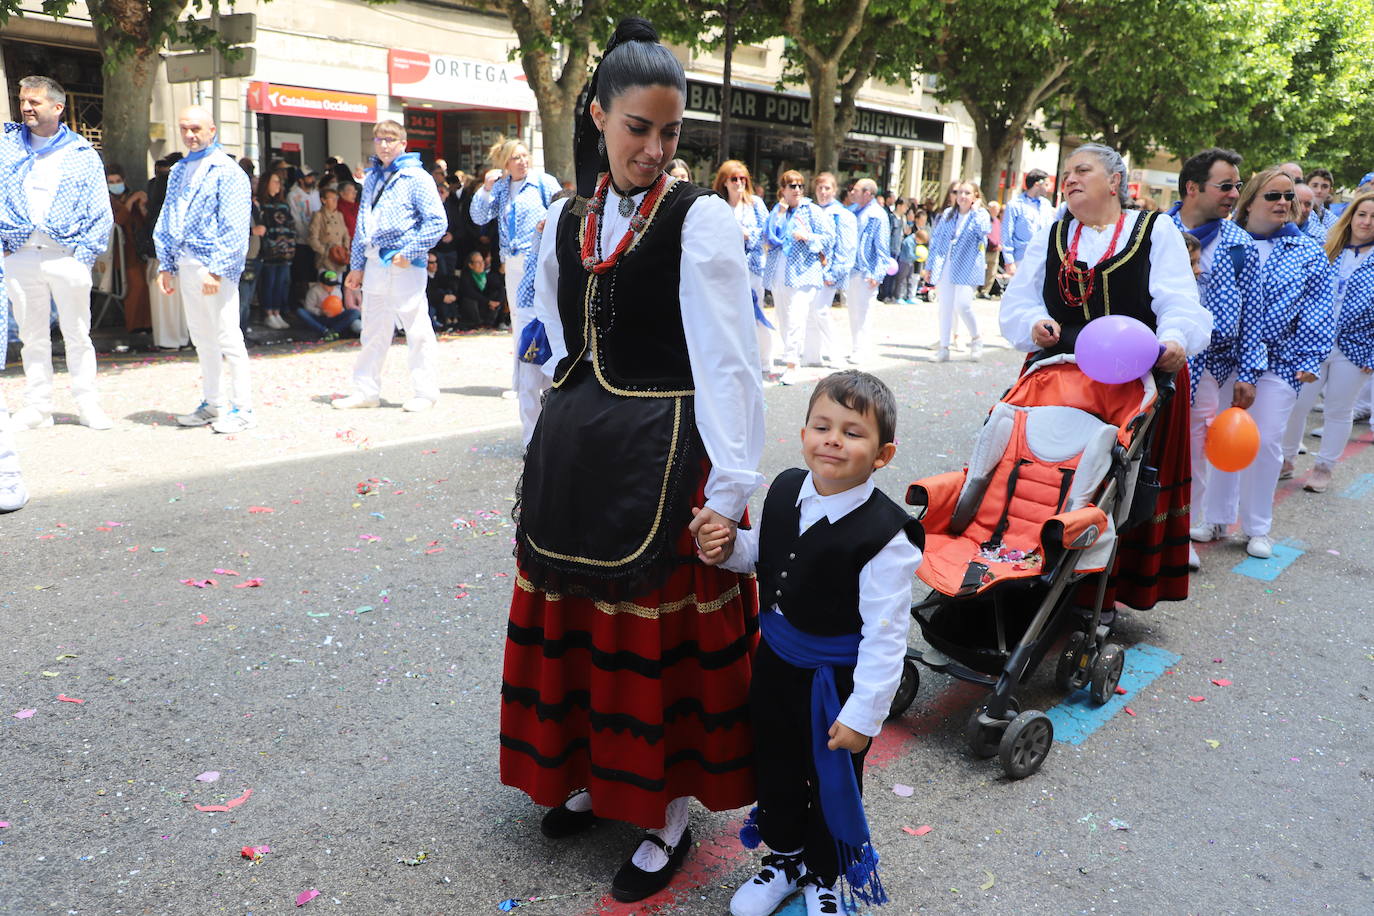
<point>201,620</point>
<point>1128,711</point>
<point>305,897</point>
<point>1197,699</point>
<point>418,860</point>
<point>25,713</point>
<point>231,803</point>
<point>65,655</point>
<point>903,791</point>
<point>1221,682</point>
<point>4,824</point>
<point>48,673</point>
<point>249,583</point>
<point>362,610</point>
<point>987,885</point>
<point>208,776</point>
<point>316,614</point>
<point>1117,824</point>
<point>1212,743</point>
<point>259,510</point>
<point>226,572</point>
<point>1121,691</point>
<point>254,852</point>
<point>62,697</point>
<point>919,831</point>
<point>199,583</point>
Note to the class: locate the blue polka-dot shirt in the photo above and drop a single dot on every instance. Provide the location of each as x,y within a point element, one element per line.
<point>517,219</point>
<point>207,216</point>
<point>1297,327</point>
<point>79,217</point>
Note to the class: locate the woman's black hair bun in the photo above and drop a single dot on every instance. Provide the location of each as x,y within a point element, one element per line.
<point>634,28</point>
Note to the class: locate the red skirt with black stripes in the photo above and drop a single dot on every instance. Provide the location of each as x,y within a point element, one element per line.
<point>641,701</point>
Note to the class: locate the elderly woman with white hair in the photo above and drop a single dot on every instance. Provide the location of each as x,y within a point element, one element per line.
<point>1099,258</point>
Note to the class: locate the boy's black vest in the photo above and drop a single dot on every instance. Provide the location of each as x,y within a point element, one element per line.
<point>1121,287</point>
<point>634,315</point>
<point>813,577</point>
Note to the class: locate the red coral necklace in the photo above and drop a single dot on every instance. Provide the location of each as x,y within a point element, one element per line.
<point>1076,283</point>
<point>591,234</point>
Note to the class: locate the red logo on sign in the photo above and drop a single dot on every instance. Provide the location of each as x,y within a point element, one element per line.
<point>407,66</point>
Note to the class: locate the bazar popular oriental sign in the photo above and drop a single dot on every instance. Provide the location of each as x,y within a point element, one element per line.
<point>792,111</point>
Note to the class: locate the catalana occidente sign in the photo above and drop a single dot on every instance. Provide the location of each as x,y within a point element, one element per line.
<point>475,83</point>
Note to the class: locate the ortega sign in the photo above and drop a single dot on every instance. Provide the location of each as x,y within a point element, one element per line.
<point>441,78</point>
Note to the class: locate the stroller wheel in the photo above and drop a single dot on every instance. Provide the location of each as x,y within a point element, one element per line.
<point>983,739</point>
<point>1066,674</point>
<point>1107,672</point>
<point>906,690</point>
<point>1026,743</point>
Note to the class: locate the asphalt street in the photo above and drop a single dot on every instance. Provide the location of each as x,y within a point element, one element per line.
<point>304,625</point>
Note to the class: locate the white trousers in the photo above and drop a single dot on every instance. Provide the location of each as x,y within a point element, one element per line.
<point>955,297</point>
<point>1211,398</point>
<point>169,318</point>
<point>213,322</point>
<point>818,344</point>
<point>395,295</point>
<point>1366,395</point>
<point>792,307</point>
<point>34,277</point>
<point>1341,380</point>
<point>527,380</point>
<point>762,332</point>
<point>1252,490</point>
<point>859,296</point>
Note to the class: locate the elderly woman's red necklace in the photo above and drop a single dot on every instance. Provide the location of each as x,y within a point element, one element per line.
<point>597,205</point>
<point>1076,283</point>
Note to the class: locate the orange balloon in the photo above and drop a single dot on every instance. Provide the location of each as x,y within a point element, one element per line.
<point>1233,441</point>
<point>331,306</point>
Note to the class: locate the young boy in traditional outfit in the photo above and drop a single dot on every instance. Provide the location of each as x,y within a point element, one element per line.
<point>835,559</point>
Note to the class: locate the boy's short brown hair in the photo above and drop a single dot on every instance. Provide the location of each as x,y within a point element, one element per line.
<point>389,128</point>
<point>860,392</point>
<point>1191,242</point>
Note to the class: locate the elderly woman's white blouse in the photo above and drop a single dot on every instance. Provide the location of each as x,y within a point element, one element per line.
<point>1179,314</point>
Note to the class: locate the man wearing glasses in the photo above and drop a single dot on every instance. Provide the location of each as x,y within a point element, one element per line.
<point>1209,184</point>
<point>400,218</point>
<point>1028,213</point>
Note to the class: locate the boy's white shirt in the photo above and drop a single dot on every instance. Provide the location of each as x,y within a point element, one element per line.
<point>884,602</point>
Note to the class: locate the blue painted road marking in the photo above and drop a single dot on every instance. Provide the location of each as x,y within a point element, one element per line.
<point>1078,716</point>
<point>797,906</point>
<point>1362,487</point>
<point>1285,552</point>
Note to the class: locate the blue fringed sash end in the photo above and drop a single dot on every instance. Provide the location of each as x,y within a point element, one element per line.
<point>860,882</point>
<point>749,833</point>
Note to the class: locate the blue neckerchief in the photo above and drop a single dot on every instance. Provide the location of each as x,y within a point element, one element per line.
<point>386,173</point>
<point>1285,229</point>
<point>1358,248</point>
<point>201,153</point>
<point>841,805</point>
<point>65,136</point>
<point>854,207</point>
<point>779,226</point>
<point>1203,233</point>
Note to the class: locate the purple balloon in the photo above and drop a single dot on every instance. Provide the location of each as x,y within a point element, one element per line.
<point>1115,348</point>
<point>891,267</point>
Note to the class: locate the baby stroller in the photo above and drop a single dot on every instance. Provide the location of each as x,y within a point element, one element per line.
<point>1055,472</point>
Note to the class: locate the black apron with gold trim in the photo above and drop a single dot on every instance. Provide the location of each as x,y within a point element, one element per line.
<point>615,458</point>
<point>1121,287</point>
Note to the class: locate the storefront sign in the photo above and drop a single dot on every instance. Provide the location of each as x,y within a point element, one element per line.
<point>270,98</point>
<point>793,111</point>
<point>438,77</point>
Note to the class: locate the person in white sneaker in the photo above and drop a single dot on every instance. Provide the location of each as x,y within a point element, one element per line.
<point>957,264</point>
<point>400,218</point>
<point>55,220</point>
<point>1348,368</point>
<point>13,496</point>
<point>202,241</point>
<point>869,263</point>
<point>1297,329</point>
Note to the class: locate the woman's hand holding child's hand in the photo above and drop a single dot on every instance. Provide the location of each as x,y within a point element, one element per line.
<point>842,736</point>
<point>715,541</point>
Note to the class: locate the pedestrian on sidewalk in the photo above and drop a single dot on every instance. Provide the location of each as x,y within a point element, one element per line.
<point>202,243</point>
<point>1027,213</point>
<point>278,251</point>
<point>957,265</point>
<point>796,237</point>
<point>993,254</point>
<point>398,223</point>
<point>303,197</point>
<point>168,316</point>
<point>517,197</point>
<point>1351,362</point>
<point>55,220</point>
<point>817,345</point>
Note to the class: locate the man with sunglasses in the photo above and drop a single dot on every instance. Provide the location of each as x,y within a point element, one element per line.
<point>1209,185</point>
<point>1028,213</point>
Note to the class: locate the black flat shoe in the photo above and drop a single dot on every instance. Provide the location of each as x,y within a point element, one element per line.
<point>561,822</point>
<point>633,883</point>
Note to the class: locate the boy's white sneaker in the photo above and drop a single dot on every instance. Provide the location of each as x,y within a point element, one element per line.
<point>203,415</point>
<point>1261,547</point>
<point>1204,533</point>
<point>821,900</point>
<point>29,418</point>
<point>415,405</point>
<point>235,421</point>
<point>775,882</point>
<point>1194,561</point>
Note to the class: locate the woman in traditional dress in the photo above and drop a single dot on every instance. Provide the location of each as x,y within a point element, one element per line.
<point>1347,369</point>
<point>627,660</point>
<point>1297,329</point>
<point>1100,258</point>
<point>733,184</point>
<point>957,264</point>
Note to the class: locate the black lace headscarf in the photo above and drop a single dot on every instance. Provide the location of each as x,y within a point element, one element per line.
<point>633,58</point>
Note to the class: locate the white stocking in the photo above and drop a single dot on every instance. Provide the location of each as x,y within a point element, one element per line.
<point>649,857</point>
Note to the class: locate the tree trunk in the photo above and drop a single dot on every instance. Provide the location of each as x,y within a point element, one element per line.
<point>125,113</point>
<point>726,90</point>
<point>824,84</point>
<point>557,118</point>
